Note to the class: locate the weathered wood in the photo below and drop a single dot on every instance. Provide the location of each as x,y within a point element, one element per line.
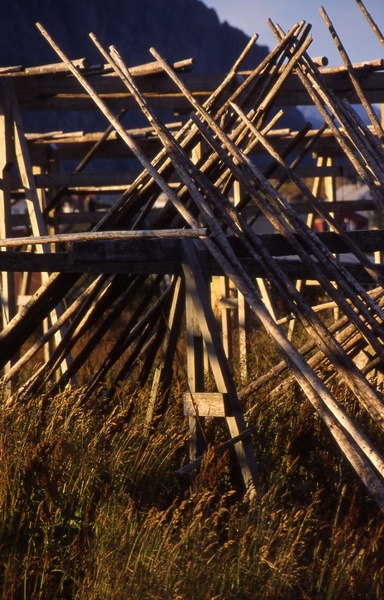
<point>36,93</point>
<point>139,335</point>
<point>331,110</point>
<point>351,72</point>
<point>201,201</point>
<point>29,316</point>
<point>34,208</point>
<point>164,259</point>
<point>73,311</point>
<point>354,457</point>
<point>162,378</point>
<point>7,157</point>
<point>196,289</point>
<point>74,148</point>
<point>79,63</point>
<point>55,92</point>
<point>218,450</point>
<point>342,328</point>
<point>370,20</point>
<point>196,371</point>
<point>318,206</point>
<point>89,316</point>
<point>204,404</point>
<point>328,345</point>
<point>377,64</point>
<point>277,218</point>
<point>101,235</point>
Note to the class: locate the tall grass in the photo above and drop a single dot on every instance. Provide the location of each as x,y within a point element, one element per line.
<point>91,507</point>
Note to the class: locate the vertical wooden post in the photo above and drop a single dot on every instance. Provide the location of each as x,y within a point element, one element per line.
<point>321,161</point>
<point>330,192</point>
<point>242,308</point>
<point>203,318</point>
<point>378,213</point>
<point>34,208</point>
<point>8,296</point>
<point>52,166</point>
<point>222,306</point>
<point>195,369</point>
<point>163,373</point>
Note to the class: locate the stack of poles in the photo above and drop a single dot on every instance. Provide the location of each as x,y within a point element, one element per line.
<point>231,132</point>
<point>143,192</point>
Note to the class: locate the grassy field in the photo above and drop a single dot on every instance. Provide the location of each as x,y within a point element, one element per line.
<point>91,506</point>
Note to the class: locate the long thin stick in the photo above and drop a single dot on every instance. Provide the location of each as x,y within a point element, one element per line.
<point>355,82</point>
<point>92,236</point>
<point>177,162</point>
<point>371,21</point>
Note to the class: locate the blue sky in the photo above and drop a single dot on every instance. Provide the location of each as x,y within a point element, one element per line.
<point>356,35</point>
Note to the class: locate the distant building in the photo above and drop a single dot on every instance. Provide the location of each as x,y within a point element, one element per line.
<point>350,220</point>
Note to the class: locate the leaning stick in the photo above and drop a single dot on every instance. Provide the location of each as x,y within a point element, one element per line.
<point>351,72</point>
<point>247,86</point>
<point>276,202</point>
<point>92,236</point>
<point>225,83</point>
<point>139,327</point>
<point>372,402</point>
<point>371,21</point>
<point>89,293</point>
<point>375,274</point>
<point>87,316</point>
<point>305,376</point>
<point>323,98</point>
<point>249,82</point>
<point>325,341</point>
<point>190,171</point>
<point>341,328</point>
<point>185,139</point>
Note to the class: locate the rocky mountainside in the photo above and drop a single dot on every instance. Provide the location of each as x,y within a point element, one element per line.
<point>178,29</point>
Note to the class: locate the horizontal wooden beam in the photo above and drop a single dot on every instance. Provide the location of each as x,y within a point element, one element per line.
<point>91,218</point>
<point>62,92</point>
<point>101,181</point>
<point>39,93</point>
<point>205,404</point>
<point>163,256</point>
<point>103,236</point>
<point>294,94</point>
<point>75,147</point>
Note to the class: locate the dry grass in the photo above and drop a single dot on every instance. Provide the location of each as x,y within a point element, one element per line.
<point>91,507</point>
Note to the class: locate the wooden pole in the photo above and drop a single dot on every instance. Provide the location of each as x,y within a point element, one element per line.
<point>7,157</point>
<point>355,82</point>
<point>198,292</point>
<point>374,404</point>
<point>370,21</point>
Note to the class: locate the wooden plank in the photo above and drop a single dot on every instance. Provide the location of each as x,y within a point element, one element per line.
<point>7,289</point>
<point>276,244</point>
<point>163,374</point>
<point>166,262</point>
<point>34,207</point>
<point>51,91</point>
<point>152,255</point>
<point>293,92</point>
<point>204,404</point>
<point>197,290</point>
<point>62,92</point>
<point>43,239</point>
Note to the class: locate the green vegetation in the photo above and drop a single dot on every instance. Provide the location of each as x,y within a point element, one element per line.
<point>91,506</point>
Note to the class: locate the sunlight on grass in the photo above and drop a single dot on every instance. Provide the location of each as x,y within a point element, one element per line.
<point>91,507</point>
